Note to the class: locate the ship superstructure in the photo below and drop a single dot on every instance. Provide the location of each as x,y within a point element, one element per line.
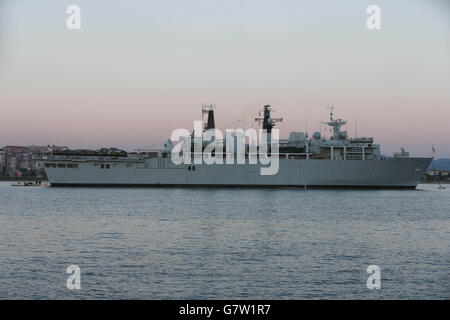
<point>306,162</point>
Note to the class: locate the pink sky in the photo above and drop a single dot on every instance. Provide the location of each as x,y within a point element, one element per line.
<point>133,74</point>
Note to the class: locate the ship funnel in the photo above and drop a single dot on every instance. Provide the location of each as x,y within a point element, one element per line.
<point>209,109</point>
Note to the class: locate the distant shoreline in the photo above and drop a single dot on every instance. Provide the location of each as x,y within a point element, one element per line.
<point>434,182</point>
<point>3,178</point>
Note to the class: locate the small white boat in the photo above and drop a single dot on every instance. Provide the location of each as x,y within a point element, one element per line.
<point>31,184</point>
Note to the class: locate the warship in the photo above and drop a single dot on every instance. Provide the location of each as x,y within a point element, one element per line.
<point>336,161</point>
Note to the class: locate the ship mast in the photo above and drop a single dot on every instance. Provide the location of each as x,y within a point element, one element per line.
<point>336,124</point>
<point>267,122</point>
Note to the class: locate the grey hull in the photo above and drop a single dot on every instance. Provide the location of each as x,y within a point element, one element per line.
<point>403,173</point>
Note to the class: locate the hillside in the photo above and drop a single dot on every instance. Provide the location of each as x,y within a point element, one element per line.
<point>440,164</point>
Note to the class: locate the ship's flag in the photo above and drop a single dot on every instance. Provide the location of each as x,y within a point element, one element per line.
<point>432,147</point>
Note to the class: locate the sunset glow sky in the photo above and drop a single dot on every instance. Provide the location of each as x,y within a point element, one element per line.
<point>139,69</point>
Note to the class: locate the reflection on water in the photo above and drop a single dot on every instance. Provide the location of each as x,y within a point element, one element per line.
<point>223,244</point>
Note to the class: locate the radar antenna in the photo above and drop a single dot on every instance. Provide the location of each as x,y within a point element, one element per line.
<point>336,124</point>
<point>331,109</point>
<point>267,122</point>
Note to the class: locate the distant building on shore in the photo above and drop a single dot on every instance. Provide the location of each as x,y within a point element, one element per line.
<point>2,162</point>
<point>434,175</point>
<point>25,161</point>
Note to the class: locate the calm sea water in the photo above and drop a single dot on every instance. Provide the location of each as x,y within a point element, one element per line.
<point>223,244</point>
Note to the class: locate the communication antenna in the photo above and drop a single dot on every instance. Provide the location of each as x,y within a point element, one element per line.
<point>208,107</point>
<point>320,126</point>
<point>331,109</point>
<point>306,123</point>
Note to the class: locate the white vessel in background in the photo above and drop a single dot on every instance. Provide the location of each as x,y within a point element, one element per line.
<point>305,162</point>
